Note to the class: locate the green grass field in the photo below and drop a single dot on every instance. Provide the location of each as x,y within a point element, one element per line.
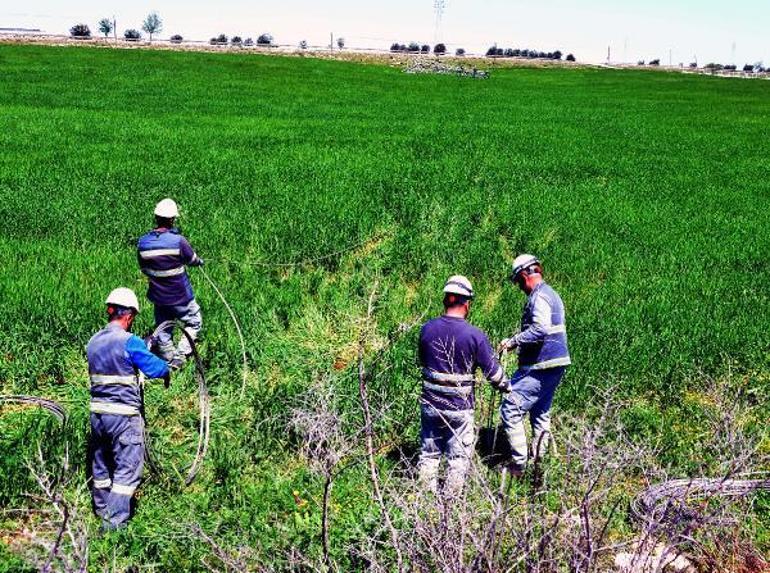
<point>644,193</point>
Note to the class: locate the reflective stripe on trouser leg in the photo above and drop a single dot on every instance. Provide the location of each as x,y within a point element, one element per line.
<point>167,350</point>
<point>430,449</point>
<point>512,417</point>
<point>165,340</point>
<point>541,432</point>
<point>193,322</point>
<point>100,472</point>
<point>459,451</point>
<point>540,414</point>
<point>129,462</point>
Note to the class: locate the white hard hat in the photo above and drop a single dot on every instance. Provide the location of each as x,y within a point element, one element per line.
<point>458,284</point>
<point>523,262</point>
<point>124,297</point>
<point>167,209</point>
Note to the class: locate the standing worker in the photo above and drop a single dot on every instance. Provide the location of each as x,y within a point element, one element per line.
<point>450,351</point>
<point>543,358</point>
<point>115,358</point>
<point>163,254</point>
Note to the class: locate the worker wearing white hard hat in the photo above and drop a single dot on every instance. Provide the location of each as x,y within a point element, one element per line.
<point>450,351</point>
<point>543,358</point>
<point>164,255</point>
<point>167,209</point>
<point>117,428</point>
<point>123,297</point>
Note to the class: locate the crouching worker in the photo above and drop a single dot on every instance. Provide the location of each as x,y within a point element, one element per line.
<point>543,359</point>
<point>115,358</point>
<point>450,351</point>
<point>163,254</point>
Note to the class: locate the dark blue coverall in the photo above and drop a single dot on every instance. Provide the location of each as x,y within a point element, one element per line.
<point>115,358</point>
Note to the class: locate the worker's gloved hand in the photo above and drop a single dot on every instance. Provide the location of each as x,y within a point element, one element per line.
<point>167,379</point>
<point>504,386</point>
<point>200,262</point>
<point>507,344</point>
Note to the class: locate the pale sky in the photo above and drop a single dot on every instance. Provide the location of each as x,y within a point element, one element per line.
<point>725,32</point>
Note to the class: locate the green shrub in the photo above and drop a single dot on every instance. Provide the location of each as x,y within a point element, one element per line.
<point>80,31</point>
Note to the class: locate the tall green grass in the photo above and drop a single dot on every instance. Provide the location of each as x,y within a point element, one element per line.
<point>645,194</point>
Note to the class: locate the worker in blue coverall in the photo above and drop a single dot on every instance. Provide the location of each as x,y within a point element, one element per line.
<point>450,351</point>
<point>543,359</point>
<point>115,359</point>
<point>163,256</point>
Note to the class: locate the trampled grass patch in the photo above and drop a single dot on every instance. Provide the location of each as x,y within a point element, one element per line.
<point>301,182</point>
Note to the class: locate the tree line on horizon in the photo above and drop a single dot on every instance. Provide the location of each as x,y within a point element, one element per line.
<point>153,24</point>
<point>495,52</point>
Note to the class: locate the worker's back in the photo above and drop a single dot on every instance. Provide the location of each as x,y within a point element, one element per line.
<point>114,383</point>
<point>450,350</point>
<point>163,254</point>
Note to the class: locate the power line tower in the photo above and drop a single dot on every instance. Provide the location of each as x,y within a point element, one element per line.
<point>438,7</point>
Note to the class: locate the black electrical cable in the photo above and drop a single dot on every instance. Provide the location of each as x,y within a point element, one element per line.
<point>56,409</point>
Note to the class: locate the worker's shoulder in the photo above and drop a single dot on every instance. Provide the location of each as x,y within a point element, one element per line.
<point>547,293</point>
<point>107,336</point>
<point>94,337</point>
<point>133,342</point>
<point>476,332</point>
<point>155,238</point>
<point>442,325</point>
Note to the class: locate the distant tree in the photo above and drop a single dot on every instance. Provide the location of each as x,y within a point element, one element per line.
<point>508,53</point>
<point>341,43</point>
<point>80,31</point>
<point>132,35</point>
<point>105,26</point>
<point>413,47</point>
<point>730,67</point>
<point>516,52</point>
<point>248,42</point>
<point>525,53</point>
<point>236,40</point>
<point>425,49</point>
<point>303,45</point>
<point>221,40</point>
<point>395,47</point>
<point>460,52</point>
<point>265,39</point>
<point>640,63</point>
<point>693,65</point>
<point>152,24</point>
<point>570,58</point>
<point>556,55</point>
<point>492,51</point>
<point>176,39</point>
<point>439,49</point>
<point>655,62</point>
<point>748,68</point>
